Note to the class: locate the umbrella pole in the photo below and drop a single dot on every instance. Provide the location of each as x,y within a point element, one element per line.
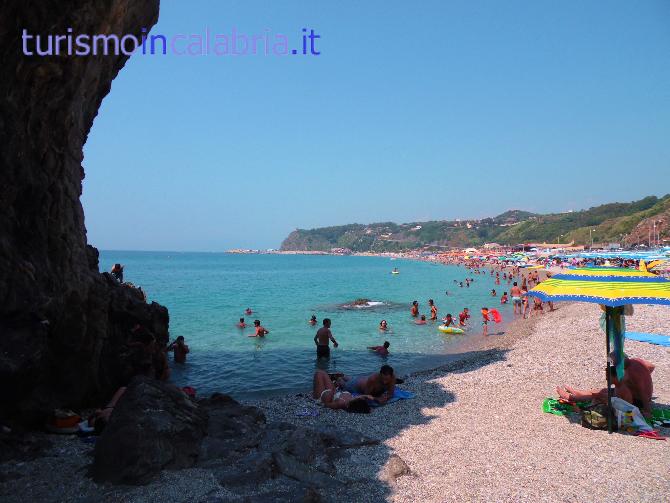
<point>608,321</point>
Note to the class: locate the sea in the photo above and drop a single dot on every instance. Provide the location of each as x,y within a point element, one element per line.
<point>207,293</point>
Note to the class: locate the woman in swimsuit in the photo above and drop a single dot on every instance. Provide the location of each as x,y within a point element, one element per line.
<point>328,395</point>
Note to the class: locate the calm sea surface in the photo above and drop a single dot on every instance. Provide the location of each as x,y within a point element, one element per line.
<point>206,294</point>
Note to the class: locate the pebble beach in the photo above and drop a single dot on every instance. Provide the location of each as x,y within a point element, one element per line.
<point>476,431</point>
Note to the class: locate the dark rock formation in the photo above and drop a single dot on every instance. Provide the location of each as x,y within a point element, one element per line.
<point>62,323</point>
<point>155,426</point>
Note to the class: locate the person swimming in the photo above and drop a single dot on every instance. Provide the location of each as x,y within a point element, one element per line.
<point>449,321</point>
<point>422,321</point>
<point>312,321</point>
<point>248,311</point>
<point>383,326</point>
<point>381,350</point>
<point>241,324</point>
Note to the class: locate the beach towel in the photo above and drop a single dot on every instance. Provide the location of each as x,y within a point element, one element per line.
<point>659,340</point>
<point>398,394</point>
<point>560,408</point>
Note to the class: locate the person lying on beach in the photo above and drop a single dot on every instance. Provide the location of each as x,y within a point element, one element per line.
<point>241,324</point>
<point>381,350</point>
<point>636,387</point>
<point>380,386</point>
<point>422,321</point>
<point>328,395</point>
<point>180,349</point>
<point>383,326</point>
<point>260,330</point>
<point>99,419</point>
<point>312,321</point>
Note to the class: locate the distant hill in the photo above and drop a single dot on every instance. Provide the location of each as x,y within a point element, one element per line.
<point>610,223</point>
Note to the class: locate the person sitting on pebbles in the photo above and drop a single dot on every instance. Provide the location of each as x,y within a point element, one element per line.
<point>636,387</point>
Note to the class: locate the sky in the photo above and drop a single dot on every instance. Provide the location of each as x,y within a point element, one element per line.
<point>412,111</point>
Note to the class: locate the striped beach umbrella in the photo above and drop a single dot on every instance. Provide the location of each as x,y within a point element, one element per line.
<point>613,289</point>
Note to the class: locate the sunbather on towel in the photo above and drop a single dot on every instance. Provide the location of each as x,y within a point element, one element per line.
<point>636,387</point>
<point>380,385</point>
<point>329,396</point>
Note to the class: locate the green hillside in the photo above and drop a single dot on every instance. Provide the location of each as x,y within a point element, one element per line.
<point>609,222</point>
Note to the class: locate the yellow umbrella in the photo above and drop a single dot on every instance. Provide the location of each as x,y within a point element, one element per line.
<point>612,288</point>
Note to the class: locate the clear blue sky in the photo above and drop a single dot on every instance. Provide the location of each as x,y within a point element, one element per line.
<point>413,111</point>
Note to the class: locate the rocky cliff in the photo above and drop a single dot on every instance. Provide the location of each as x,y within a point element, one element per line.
<point>62,323</point>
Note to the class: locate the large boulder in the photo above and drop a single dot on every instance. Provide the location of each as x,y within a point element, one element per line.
<point>61,322</point>
<point>154,426</point>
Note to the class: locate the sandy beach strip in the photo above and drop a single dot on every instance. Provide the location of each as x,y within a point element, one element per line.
<point>476,431</point>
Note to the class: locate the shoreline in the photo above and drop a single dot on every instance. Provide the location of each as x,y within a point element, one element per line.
<point>475,428</point>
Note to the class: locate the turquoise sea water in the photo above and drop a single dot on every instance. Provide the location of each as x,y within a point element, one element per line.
<point>206,294</point>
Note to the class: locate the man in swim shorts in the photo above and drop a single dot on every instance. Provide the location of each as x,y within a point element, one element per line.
<point>322,340</point>
<point>516,298</point>
<point>380,385</point>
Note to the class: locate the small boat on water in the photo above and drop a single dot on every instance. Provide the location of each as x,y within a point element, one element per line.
<point>395,271</point>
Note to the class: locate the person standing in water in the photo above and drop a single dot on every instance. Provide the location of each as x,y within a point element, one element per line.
<point>433,310</point>
<point>180,349</point>
<point>322,340</point>
<point>260,330</point>
<point>485,320</point>
<point>241,324</point>
<point>415,309</point>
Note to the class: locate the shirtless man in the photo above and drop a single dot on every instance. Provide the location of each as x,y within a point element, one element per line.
<point>636,387</point>
<point>322,340</point>
<point>414,311</point>
<point>381,350</point>
<point>516,297</point>
<point>261,331</point>
<point>180,349</point>
<point>380,385</point>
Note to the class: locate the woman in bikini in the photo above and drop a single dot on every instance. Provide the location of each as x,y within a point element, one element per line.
<point>328,395</point>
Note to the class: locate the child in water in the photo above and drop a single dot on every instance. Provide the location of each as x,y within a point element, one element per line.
<point>449,321</point>
<point>433,310</point>
<point>464,317</point>
<point>422,321</point>
<point>241,324</point>
<point>504,299</point>
<point>485,320</point>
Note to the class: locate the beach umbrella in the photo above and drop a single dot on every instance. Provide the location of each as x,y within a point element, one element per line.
<point>613,289</point>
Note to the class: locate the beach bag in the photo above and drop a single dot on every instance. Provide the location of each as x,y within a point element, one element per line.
<point>594,417</point>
